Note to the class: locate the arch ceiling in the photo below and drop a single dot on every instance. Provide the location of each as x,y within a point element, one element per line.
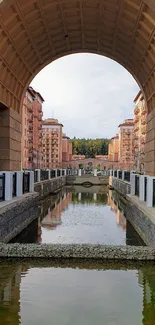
<point>33,33</point>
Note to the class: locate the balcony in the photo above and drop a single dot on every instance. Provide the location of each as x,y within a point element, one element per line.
<point>144,111</point>
<point>30,128</point>
<point>136,129</point>
<point>136,111</point>
<point>143,122</point>
<point>30,118</point>
<point>136,119</point>
<point>143,141</point>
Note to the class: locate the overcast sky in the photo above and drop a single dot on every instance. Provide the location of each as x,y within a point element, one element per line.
<point>89,94</point>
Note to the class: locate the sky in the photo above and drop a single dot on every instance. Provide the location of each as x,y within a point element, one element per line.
<point>88,93</point>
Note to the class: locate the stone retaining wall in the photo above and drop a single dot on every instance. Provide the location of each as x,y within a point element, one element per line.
<point>45,188</point>
<point>17,215</point>
<point>82,251</point>
<point>141,218</point>
<point>122,187</point>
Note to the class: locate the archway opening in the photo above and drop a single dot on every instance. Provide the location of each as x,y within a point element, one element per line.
<point>34,33</point>
<point>90,95</point>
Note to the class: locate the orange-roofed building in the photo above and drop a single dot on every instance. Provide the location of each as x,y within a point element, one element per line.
<point>139,132</point>
<point>126,153</point>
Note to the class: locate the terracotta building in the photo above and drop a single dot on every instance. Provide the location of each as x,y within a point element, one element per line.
<point>139,132</point>
<point>113,148</point>
<point>126,153</point>
<point>52,143</point>
<point>32,130</point>
<point>66,149</point>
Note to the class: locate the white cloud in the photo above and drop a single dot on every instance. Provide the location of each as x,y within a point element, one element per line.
<point>88,93</point>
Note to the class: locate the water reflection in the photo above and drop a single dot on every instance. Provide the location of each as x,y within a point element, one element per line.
<point>114,205</point>
<point>81,215</point>
<point>51,293</point>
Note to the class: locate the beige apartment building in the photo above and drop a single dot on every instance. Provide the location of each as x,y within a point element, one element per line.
<point>32,130</point>
<point>139,132</point>
<point>113,148</point>
<point>126,153</point>
<point>66,151</point>
<point>52,143</point>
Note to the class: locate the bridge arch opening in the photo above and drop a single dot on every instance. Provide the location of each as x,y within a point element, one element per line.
<point>35,32</point>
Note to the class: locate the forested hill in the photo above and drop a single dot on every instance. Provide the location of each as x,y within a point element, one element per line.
<point>90,147</point>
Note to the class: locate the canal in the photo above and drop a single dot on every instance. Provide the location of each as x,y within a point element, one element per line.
<point>79,292</point>
<point>81,215</point>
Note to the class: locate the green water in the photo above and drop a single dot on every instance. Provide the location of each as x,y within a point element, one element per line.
<point>48,293</point>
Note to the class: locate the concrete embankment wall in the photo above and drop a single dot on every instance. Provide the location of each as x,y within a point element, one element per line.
<point>93,180</point>
<point>122,187</point>
<point>45,188</point>
<point>82,251</point>
<point>137,213</point>
<point>17,215</point>
<point>141,218</point>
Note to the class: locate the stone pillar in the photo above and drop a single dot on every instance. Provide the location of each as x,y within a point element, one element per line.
<point>38,175</point>
<point>80,172</point>
<point>10,139</point>
<point>150,144</point>
<point>8,185</point>
<point>65,172</point>
<point>79,196</point>
<point>133,178</point>
<point>19,183</point>
<point>123,175</point>
<point>60,172</point>
<point>95,172</point>
<point>55,172</point>
<point>49,174</point>
<point>142,188</point>
<point>149,201</point>
<point>94,196</point>
<point>31,188</point>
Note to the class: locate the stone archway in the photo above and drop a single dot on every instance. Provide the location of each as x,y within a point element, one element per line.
<point>33,33</point>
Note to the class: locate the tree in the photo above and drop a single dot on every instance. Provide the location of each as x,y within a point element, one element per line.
<point>90,147</point>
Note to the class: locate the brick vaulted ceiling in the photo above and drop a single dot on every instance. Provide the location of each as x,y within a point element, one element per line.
<point>33,33</point>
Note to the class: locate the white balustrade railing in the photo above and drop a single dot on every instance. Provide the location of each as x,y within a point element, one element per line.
<point>142,186</point>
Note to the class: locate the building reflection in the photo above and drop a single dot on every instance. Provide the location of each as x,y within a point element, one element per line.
<point>54,216</point>
<point>114,206</point>
<point>146,279</point>
<point>10,295</point>
<point>11,275</point>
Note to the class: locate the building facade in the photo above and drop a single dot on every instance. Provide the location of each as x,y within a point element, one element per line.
<point>139,132</point>
<point>113,148</point>
<point>32,130</point>
<point>66,150</point>
<point>126,150</point>
<point>52,143</point>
